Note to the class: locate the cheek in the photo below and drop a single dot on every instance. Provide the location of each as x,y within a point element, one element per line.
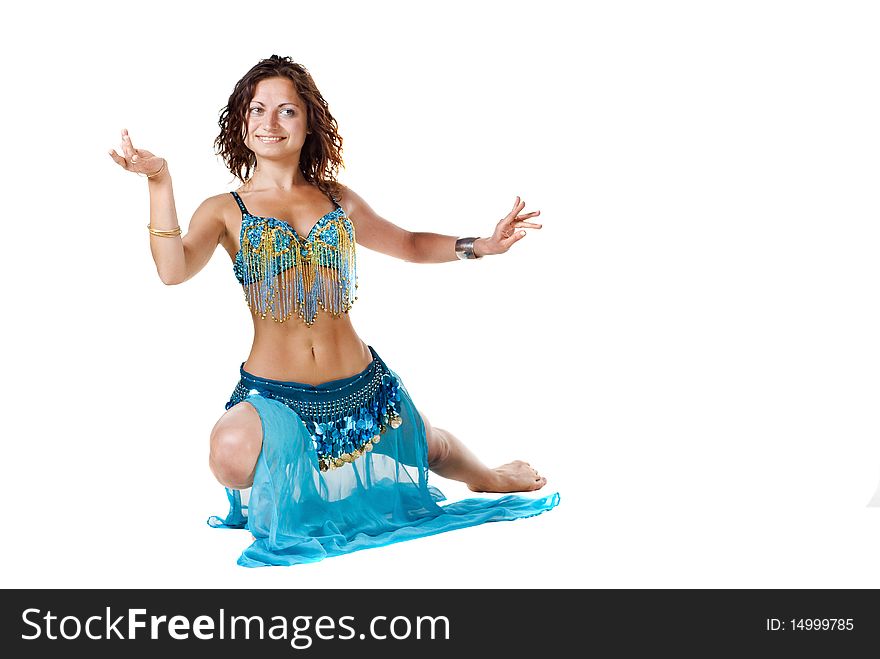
<point>248,129</point>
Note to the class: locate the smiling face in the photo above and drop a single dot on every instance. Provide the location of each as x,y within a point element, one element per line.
<point>276,120</point>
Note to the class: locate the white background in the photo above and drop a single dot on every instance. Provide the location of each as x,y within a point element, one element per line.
<point>687,349</point>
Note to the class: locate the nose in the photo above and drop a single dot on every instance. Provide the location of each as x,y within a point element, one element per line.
<point>271,121</point>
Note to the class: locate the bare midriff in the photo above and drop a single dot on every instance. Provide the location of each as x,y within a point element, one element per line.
<point>292,351</point>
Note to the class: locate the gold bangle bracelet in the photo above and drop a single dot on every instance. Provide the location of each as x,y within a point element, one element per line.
<point>156,173</point>
<point>165,233</point>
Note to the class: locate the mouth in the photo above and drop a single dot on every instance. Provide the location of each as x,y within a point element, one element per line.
<point>270,140</point>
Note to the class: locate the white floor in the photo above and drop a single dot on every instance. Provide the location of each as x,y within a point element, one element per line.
<point>875,500</point>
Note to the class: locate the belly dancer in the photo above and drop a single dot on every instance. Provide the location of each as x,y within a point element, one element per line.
<point>321,448</point>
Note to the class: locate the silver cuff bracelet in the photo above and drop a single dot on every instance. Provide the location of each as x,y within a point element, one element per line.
<point>464,248</point>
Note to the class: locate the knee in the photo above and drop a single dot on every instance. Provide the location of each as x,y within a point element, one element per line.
<point>233,457</point>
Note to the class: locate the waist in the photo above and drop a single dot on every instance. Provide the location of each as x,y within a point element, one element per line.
<point>363,383</point>
<point>345,417</point>
<point>327,351</point>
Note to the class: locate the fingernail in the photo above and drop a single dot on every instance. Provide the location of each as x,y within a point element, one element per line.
<point>134,158</point>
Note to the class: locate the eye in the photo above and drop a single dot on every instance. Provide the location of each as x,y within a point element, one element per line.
<point>256,110</point>
<point>290,110</point>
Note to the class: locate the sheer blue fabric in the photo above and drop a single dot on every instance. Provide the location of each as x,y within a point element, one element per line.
<point>319,492</point>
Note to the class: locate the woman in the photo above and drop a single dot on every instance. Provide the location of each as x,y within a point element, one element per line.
<point>321,449</point>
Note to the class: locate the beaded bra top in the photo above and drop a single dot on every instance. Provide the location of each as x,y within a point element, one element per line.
<point>284,274</point>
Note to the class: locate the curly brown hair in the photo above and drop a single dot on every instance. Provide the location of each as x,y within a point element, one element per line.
<point>321,155</point>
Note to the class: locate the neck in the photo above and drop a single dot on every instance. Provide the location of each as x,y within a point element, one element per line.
<point>275,176</point>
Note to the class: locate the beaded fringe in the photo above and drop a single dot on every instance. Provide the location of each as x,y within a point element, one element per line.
<point>284,275</point>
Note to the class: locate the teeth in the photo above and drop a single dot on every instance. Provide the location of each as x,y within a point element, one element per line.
<point>270,139</point>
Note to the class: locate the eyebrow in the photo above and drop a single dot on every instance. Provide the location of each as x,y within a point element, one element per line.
<point>279,105</point>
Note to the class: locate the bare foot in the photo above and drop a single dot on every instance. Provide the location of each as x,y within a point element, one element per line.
<point>516,476</point>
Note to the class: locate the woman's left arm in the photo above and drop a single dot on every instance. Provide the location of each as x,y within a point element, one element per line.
<point>377,233</point>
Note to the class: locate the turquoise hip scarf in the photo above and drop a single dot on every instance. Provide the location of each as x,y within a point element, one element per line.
<point>344,467</point>
<point>345,418</point>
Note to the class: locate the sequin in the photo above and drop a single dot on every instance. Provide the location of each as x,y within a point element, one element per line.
<point>304,507</point>
<point>284,275</point>
<point>344,423</point>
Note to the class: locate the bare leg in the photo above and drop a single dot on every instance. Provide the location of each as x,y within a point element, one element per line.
<point>236,440</point>
<point>450,458</point>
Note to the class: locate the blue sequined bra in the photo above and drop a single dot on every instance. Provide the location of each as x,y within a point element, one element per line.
<point>284,275</point>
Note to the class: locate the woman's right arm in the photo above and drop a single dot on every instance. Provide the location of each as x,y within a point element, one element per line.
<point>178,258</point>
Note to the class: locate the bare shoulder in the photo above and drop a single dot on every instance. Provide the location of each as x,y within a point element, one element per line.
<point>352,203</point>
<point>219,204</point>
<point>372,230</point>
<point>215,216</point>
<point>213,207</point>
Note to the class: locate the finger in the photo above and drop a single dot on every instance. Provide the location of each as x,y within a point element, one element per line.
<point>519,235</point>
<point>514,216</point>
<point>127,146</point>
<point>517,207</point>
<point>530,225</point>
<point>119,160</point>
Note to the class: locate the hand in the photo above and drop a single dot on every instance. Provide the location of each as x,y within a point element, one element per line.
<point>506,233</point>
<point>139,161</point>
